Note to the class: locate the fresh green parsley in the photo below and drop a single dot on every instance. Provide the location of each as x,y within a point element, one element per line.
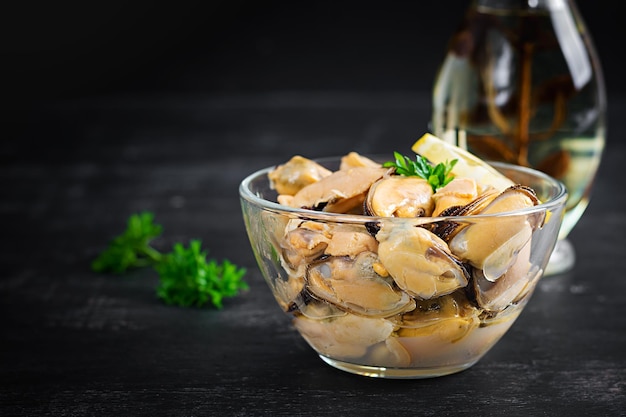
<point>186,277</point>
<point>437,176</point>
<point>132,248</point>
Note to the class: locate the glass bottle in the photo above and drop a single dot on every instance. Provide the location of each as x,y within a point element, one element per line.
<point>521,82</point>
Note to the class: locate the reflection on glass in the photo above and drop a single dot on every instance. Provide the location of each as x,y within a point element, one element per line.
<point>521,83</point>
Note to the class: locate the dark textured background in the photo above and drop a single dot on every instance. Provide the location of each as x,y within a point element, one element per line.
<point>113,108</point>
<point>90,48</point>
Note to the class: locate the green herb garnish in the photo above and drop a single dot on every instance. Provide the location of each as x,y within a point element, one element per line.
<point>437,176</point>
<point>132,248</point>
<point>186,277</point>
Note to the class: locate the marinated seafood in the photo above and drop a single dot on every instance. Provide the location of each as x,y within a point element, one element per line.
<point>459,192</point>
<point>397,196</point>
<point>295,174</point>
<point>420,262</point>
<point>354,285</point>
<point>340,192</point>
<point>506,236</point>
<point>395,293</point>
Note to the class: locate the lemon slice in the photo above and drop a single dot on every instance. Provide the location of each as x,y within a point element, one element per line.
<point>468,165</point>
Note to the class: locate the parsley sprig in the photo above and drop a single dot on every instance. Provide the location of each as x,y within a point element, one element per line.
<point>132,248</point>
<point>186,277</point>
<point>437,176</point>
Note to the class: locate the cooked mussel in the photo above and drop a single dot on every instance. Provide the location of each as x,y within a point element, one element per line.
<point>354,159</point>
<point>419,261</point>
<point>450,317</point>
<point>354,285</point>
<point>399,196</point>
<point>345,337</point>
<point>350,240</point>
<point>492,244</point>
<point>457,193</point>
<point>295,174</point>
<point>341,192</point>
<point>511,287</point>
<point>303,242</point>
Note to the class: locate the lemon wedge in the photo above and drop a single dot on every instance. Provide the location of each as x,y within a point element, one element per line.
<point>468,165</point>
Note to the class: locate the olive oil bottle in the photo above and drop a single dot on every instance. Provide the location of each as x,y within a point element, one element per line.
<point>521,82</point>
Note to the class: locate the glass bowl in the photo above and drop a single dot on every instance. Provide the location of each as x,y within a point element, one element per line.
<point>380,297</point>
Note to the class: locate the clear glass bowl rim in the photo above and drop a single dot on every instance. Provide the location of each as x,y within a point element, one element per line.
<point>558,198</point>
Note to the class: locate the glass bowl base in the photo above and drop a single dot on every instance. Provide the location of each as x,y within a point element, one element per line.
<point>396,373</point>
<point>563,258</point>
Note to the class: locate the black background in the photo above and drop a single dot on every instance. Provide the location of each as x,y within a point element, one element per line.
<point>59,49</point>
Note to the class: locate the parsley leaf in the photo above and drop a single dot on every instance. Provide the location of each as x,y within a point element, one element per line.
<point>437,176</point>
<point>132,248</point>
<point>186,277</point>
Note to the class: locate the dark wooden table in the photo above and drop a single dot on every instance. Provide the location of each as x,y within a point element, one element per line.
<point>78,343</point>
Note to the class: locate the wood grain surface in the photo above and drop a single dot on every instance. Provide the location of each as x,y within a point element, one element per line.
<point>78,343</point>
